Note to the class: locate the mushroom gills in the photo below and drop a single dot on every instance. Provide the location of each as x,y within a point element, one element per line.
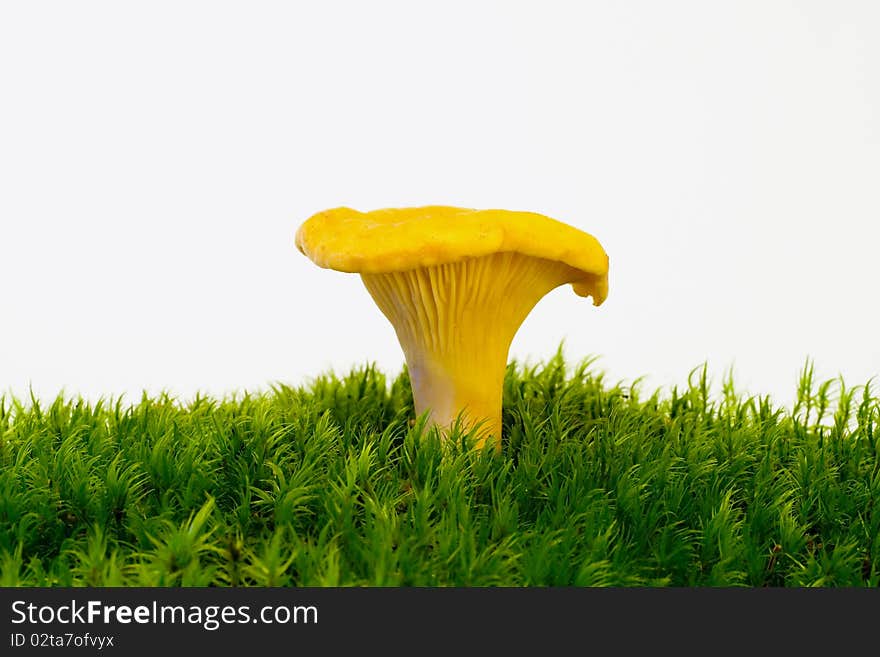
<point>455,323</point>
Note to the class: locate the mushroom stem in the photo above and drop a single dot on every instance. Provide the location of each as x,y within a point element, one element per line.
<point>455,323</point>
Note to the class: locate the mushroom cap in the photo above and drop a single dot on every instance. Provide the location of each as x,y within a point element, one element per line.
<point>401,239</point>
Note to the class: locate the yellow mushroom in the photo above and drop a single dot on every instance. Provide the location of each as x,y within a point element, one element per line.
<point>456,284</point>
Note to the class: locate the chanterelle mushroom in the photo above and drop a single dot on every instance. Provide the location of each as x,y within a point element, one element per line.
<point>456,284</point>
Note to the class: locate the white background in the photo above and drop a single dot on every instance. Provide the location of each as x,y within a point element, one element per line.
<point>157,157</point>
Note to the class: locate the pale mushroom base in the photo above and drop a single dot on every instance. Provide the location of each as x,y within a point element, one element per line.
<point>455,323</point>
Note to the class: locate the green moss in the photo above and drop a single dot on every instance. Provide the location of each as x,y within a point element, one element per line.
<point>333,483</point>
